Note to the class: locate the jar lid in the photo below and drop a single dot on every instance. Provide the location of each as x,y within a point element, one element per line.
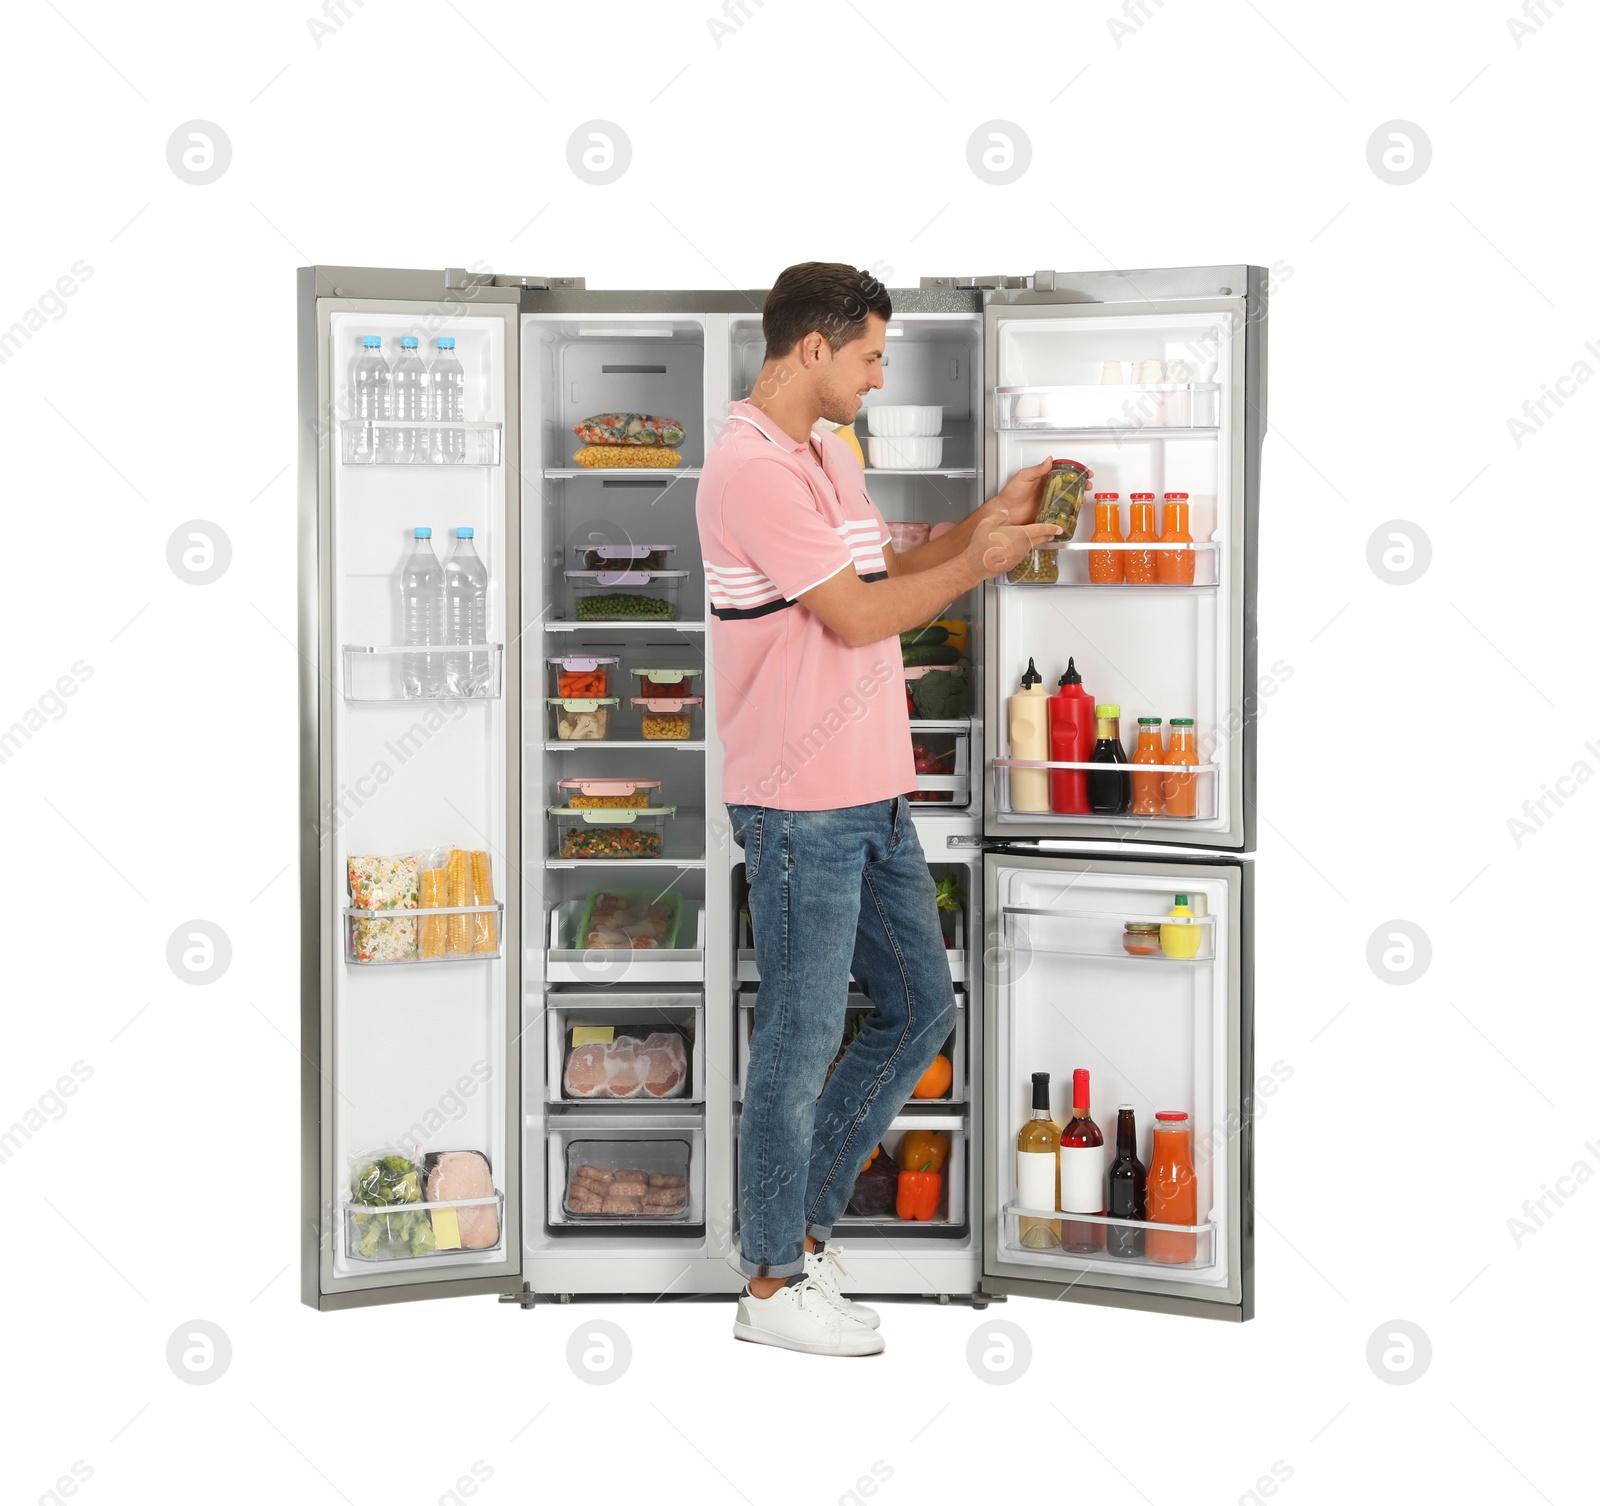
<point>1141,496</point>
<point>1106,496</point>
<point>583,661</point>
<point>1105,712</point>
<point>1075,465</point>
<point>1149,721</point>
<point>1182,721</point>
<point>1175,496</point>
<point>1172,1117</point>
<point>1144,927</point>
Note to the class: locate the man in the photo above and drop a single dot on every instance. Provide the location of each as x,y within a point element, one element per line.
<point>807,605</point>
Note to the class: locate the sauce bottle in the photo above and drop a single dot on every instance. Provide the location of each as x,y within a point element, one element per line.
<point>1180,941</point>
<point>1147,798</point>
<point>1139,565</point>
<point>1028,713</point>
<point>1105,565</point>
<point>1175,567</point>
<point>1071,741</point>
<point>1170,1191</point>
<point>1177,789</point>
<point>1109,790</point>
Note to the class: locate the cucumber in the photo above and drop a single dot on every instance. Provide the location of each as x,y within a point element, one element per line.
<point>929,653</point>
<point>924,637</point>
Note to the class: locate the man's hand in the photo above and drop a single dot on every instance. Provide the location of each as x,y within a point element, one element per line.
<point>997,544</point>
<point>1021,495</point>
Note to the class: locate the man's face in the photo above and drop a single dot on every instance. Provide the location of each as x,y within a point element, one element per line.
<point>844,375</point>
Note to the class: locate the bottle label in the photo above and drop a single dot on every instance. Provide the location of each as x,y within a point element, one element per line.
<point>1036,1179</point>
<point>1083,1174</point>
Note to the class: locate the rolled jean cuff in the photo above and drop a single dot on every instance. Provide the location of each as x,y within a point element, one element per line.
<point>760,1272</point>
<point>820,1232</point>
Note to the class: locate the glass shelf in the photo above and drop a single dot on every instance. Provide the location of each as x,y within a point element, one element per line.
<point>375,673</point>
<point>386,441</point>
<point>1153,408</point>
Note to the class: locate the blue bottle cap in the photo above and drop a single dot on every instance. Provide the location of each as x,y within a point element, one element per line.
<point>422,533</point>
<point>446,342</point>
<point>409,342</point>
<point>463,533</point>
<point>372,342</point>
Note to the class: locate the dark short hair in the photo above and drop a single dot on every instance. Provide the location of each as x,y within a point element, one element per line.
<point>827,296</point>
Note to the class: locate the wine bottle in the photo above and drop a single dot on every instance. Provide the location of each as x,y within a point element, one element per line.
<point>1083,1173</point>
<point>1126,1188</point>
<point>1037,1143</point>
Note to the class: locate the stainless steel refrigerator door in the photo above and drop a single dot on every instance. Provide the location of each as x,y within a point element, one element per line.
<point>1156,1033</point>
<point>1045,338</point>
<point>410,1094</point>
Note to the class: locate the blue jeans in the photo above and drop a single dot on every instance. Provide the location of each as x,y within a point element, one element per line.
<point>832,893</point>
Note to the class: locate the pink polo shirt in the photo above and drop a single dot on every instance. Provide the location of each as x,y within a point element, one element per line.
<point>806,721</point>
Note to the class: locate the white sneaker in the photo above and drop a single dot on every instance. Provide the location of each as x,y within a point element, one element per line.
<point>825,1270</point>
<point>804,1317</point>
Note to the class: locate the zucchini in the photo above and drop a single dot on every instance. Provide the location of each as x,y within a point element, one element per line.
<point>929,653</point>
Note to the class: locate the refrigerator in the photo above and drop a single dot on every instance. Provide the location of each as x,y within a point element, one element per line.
<point>451,1060</point>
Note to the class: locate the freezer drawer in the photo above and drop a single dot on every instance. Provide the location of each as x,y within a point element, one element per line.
<point>653,1076</point>
<point>669,1147</point>
<point>1156,1032</point>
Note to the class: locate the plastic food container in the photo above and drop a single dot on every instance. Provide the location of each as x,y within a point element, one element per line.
<point>886,454</point>
<point>899,421</point>
<point>635,920</point>
<point>651,1178</point>
<point>579,677</point>
<point>666,682</point>
<point>626,1061</point>
<point>610,835</point>
<point>904,536</point>
<point>625,595</point>
<point>580,721</point>
<point>624,556</point>
<point>667,719</point>
<point>609,794</point>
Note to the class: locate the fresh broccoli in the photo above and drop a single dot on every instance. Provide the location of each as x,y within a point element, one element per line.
<point>940,695</point>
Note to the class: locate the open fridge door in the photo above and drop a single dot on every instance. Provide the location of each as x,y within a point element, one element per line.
<point>1154,383</point>
<point>1162,1024</point>
<point>410,858</point>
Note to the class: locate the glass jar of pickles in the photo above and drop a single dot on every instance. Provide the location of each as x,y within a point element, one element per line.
<point>1062,500</point>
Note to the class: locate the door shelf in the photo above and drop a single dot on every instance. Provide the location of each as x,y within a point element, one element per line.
<point>383,1230</point>
<point>1073,559</point>
<point>1205,793</point>
<point>374,673</point>
<point>371,441</point>
<point>1204,1237</point>
<point>649,1013</point>
<point>567,962</point>
<point>1112,407</point>
<point>398,932</point>
<point>1095,936</point>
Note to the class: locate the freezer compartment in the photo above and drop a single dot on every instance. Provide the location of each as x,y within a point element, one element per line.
<point>624,1052</point>
<point>413,1231</point>
<point>582,927</point>
<point>1108,405</point>
<point>1021,788</point>
<point>389,442</point>
<point>942,752</point>
<point>625,595</point>
<point>668,1148</point>
<point>378,672</point>
<point>857,1008</point>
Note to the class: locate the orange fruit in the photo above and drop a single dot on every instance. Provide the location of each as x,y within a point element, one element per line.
<point>936,1080</point>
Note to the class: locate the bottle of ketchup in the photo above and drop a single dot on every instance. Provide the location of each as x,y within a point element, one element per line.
<point>1071,741</point>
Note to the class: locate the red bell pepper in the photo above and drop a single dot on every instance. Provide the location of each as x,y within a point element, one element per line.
<point>918,1194</point>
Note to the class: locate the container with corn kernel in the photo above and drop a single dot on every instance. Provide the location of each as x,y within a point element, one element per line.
<point>630,456</point>
<point>667,719</point>
<point>609,794</point>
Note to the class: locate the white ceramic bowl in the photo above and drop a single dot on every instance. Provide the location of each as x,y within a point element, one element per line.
<point>916,453</point>
<point>902,421</point>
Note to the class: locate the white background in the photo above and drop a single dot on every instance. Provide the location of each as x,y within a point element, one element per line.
<point>1408,324</point>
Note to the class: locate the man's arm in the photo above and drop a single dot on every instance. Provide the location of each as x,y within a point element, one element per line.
<point>1020,496</point>
<point>865,611</point>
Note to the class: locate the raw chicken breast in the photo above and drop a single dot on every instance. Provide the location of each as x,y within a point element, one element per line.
<point>463,1174</point>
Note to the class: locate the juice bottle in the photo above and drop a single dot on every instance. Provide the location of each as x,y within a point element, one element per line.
<point>1139,565</point>
<point>1177,789</point>
<point>1030,739</point>
<point>1147,799</point>
<point>1180,941</point>
<point>1071,741</point>
<point>1170,1191</point>
<point>1105,565</point>
<point>1109,790</point>
<point>1175,567</point>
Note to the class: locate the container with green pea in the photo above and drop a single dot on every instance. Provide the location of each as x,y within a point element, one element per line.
<point>625,595</point>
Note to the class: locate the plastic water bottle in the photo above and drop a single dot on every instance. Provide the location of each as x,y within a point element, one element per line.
<point>410,403</point>
<point>422,618</point>
<point>370,394</point>
<point>447,385</point>
<point>466,617</point>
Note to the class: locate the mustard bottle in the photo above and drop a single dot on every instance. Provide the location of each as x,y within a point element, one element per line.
<point>1181,941</point>
<point>1028,714</point>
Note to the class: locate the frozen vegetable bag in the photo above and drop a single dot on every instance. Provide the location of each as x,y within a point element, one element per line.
<point>384,883</point>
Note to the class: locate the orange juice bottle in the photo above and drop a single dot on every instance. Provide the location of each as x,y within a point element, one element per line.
<point>1139,565</point>
<point>1175,567</point>
<point>1147,800</point>
<point>1105,565</point>
<point>1177,789</point>
<point>1170,1191</point>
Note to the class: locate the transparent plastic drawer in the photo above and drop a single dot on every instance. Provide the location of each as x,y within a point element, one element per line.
<point>667,1165</point>
<point>608,835</point>
<point>625,595</point>
<point>637,1048</point>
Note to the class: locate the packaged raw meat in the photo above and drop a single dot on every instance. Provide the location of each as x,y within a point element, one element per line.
<point>617,1180</point>
<point>635,1062</point>
<point>637,920</point>
<point>459,1174</point>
